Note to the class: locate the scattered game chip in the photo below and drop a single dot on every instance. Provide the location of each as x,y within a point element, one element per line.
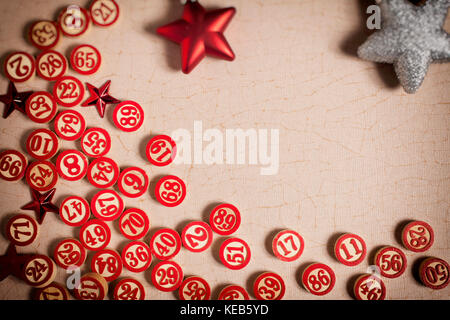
<point>170,191</point>
<point>73,21</point>
<point>194,288</point>
<point>39,271</point>
<point>96,142</point>
<point>269,286</point>
<point>128,116</point>
<point>107,263</point>
<point>288,245</point>
<point>104,12</point>
<point>22,230</point>
<point>165,244</point>
<point>13,165</point>
<point>103,172</point>
<point>129,289</point>
<point>41,107</point>
<point>136,256</point>
<point>161,150</point>
<point>369,287</point>
<point>197,236</point>
<point>72,165</point>
<point>85,59</point>
<point>70,125</point>
<point>225,219</point>
<point>42,144</point>
<point>69,253</point>
<point>54,291</point>
<point>68,91</point>
<point>95,235</point>
<point>167,276</point>
<point>107,205</point>
<point>318,279</point>
<point>134,224</point>
<point>44,35</point>
<point>233,292</point>
<point>51,65</point>
<point>74,211</point>
<point>133,182</point>
<point>391,261</point>
<point>418,236</point>
<point>434,273</point>
<point>92,286</point>
<point>41,175</point>
<point>350,249</point>
<point>235,253</point>
<point>19,66</point>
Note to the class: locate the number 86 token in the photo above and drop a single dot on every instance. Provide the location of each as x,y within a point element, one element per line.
<point>318,279</point>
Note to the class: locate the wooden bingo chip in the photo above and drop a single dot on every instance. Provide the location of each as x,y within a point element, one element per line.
<point>161,150</point>
<point>194,288</point>
<point>54,291</point>
<point>134,224</point>
<point>12,165</point>
<point>70,125</point>
<point>19,66</point>
<point>288,245</point>
<point>74,211</point>
<point>133,182</point>
<point>44,34</point>
<point>41,175</point>
<point>197,236</point>
<point>51,65</point>
<point>318,279</point>
<point>165,244</point>
<point>103,172</point>
<point>235,253</point>
<point>350,249</point>
<point>68,91</point>
<point>167,276</point>
<point>95,235</point>
<point>104,12</point>
<point>107,263</point>
<point>41,107</point>
<point>136,256</point>
<point>96,142</point>
<point>418,236</point>
<point>128,116</point>
<point>391,261</point>
<point>233,292</point>
<point>42,144</point>
<point>22,230</point>
<point>369,287</point>
<point>72,165</point>
<point>39,271</point>
<point>269,286</point>
<point>434,273</point>
<point>73,21</point>
<point>129,289</point>
<point>85,59</point>
<point>170,191</point>
<point>92,286</point>
<point>225,219</point>
<point>69,253</point>
<point>107,205</point>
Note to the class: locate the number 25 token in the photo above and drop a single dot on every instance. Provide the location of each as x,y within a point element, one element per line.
<point>288,245</point>
<point>128,116</point>
<point>391,261</point>
<point>318,279</point>
<point>170,191</point>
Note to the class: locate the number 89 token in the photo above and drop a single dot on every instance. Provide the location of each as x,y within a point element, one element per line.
<point>225,219</point>
<point>318,279</point>
<point>170,191</point>
<point>128,116</point>
<point>269,286</point>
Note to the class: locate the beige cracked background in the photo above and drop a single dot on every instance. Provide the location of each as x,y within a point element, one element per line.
<point>357,154</point>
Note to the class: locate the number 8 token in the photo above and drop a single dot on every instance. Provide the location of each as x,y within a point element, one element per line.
<point>167,276</point>
<point>128,116</point>
<point>318,279</point>
<point>170,191</point>
<point>72,165</point>
<point>269,286</point>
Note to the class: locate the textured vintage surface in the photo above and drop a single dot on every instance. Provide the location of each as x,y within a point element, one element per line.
<point>357,154</point>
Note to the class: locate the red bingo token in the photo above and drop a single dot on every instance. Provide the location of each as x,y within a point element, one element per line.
<point>225,219</point>
<point>44,34</point>
<point>170,191</point>
<point>22,230</point>
<point>194,288</point>
<point>85,59</point>
<point>19,66</point>
<point>350,249</point>
<point>104,12</point>
<point>391,261</point>
<point>133,182</point>
<point>197,236</point>
<point>72,165</point>
<point>42,144</point>
<point>68,91</point>
<point>39,271</point>
<point>92,286</point>
<point>136,256</point>
<point>41,107</point>
<point>269,286</point>
<point>107,205</point>
<point>96,142</point>
<point>12,165</point>
<point>74,211</point>
<point>318,279</point>
<point>134,224</point>
<point>69,253</point>
<point>129,289</point>
<point>73,21</point>
<point>233,292</point>
<point>70,125</point>
<point>128,116</point>
<point>107,263</point>
<point>235,253</point>
<point>418,236</point>
<point>41,175</point>
<point>165,244</point>
<point>369,287</point>
<point>161,150</point>
<point>103,172</point>
<point>167,276</point>
<point>95,235</point>
<point>51,65</point>
<point>54,291</point>
<point>288,245</point>
<point>434,273</point>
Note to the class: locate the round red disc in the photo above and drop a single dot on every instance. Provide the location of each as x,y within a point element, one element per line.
<point>165,244</point>
<point>391,261</point>
<point>74,211</point>
<point>21,230</point>
<point>369,287</point>
<point>233,292</point>
<point>350,249</point>
<point>54,291</point>
<point>69,253</point>
<point>134,224</point>
<point>288,245</point>
<point>42,144</point>
<point>136,256</point>
<point>96,142</point>
<point>13,165</point>
<point>44,34</point>
<point>194,288</point>
<point>197,236</point>
<point>103,172</point>
<point>41,175</point>
<point>434,273</point>
<point>235,253</point>
<point>39,271</point>
<point>225,219</point>
<point>107,205</point>
<point>92,287</point>
<point>418,236</point>
<point>170,191</point>
<point>128,116</point>
<point>68,91</point>
<point>161,150</point>
<point>133,182</point>
<point>19,66</point>
<point>73,21</point>
<point>41,107</point>
<point>167,276</point>
<point>95,235</point>
<point>107,263</point>
<point>318,279</point>
<point>70,125</point>
<point>85,59</point>
<point>51,65</point>
<point>104,12</point>
<point>269,286</point>
<point>72,165</point>
<point>129,289</point>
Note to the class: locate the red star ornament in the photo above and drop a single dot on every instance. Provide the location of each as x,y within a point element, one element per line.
<point>12,263</point>
<point>100,97</point>
<point>41,204</point>
<point>14,100</point>
<point>200,33</point>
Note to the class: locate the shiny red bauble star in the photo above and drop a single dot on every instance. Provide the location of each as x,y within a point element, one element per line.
<point>200,33</point>
<point>41,204</point>
<point>14,100</point>
<point>100,97</point>
<point>12,263</point>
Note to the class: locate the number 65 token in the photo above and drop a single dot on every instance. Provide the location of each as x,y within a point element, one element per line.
<point>85,59</point>
<point>170,191</point>
<point>318,279</point>
<point>235,253</point>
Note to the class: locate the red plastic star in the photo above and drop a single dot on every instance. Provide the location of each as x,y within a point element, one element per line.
<point>14,100</point>
<point>12,263</point>
<point>99,97</point>
<point>200,33</point>
<point>41,204</point>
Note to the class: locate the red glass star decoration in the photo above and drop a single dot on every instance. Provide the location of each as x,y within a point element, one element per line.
<point>200,33</point>
<point>100,97</point>
<point>41,204</point>
<point>12,263</point>
<point>14,100</point>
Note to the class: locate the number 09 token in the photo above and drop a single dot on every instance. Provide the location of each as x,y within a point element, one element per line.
<point>41,107</point>
<point>70,125</point>
<point>167,276</point>
<point>134,224</point>
<point>318,279</point>
<point>197,236</point>
<point>269,286</point>
<point>74,211</point>
<point>391,261</point>
<point>194,288</point>
<point>42,144</point>
<point>92,286</point>
<point>19,66</point>
<point>68,91</point>
<point>235,253</point>
<point>95,235</point>
<point>434,273</point>
<point>128,116</point>
<point>85,59</point>
<point>225,219</point>
<point>129,289</point>
<point>418,236</point>
<point>22,230</point>
<point>170,191</point>
<point>369,287</point>
<point>165,244</point>
<point>233,292</point>
<point>350,249</point>
<point>72,165</point>
<point>133,182</point>
<point>161,150</point>
<point>12,165</point>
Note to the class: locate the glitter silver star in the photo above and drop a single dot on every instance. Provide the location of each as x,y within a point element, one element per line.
<point>411,37</point>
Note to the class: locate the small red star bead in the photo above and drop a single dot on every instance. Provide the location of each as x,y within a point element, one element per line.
<point>12,263</point>
<point>14,100</point>
<point>41,204</point>
<point>100,97</point>
<point>200,33</point>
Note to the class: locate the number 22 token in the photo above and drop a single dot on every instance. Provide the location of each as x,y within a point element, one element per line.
<point>318,279</point>
<point>170,191</point>
<point>68,91</point>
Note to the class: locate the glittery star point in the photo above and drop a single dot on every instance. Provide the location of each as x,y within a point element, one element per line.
<point>14,100</point>
<point>41,204</point>
<point>100,97</point>
<point>11,263</point>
